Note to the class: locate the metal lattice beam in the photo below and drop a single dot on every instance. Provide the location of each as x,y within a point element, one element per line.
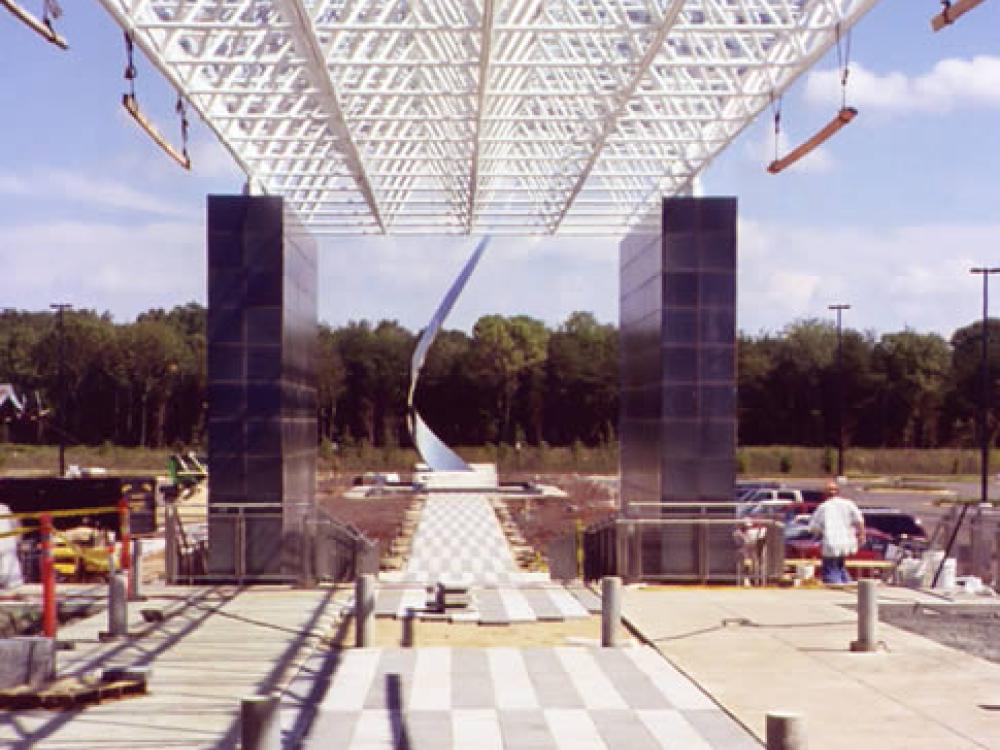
<point>469,116</point>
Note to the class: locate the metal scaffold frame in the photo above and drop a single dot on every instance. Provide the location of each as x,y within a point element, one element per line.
<point>473,116</point>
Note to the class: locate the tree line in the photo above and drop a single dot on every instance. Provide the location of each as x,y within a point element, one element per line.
<point>510,380</point>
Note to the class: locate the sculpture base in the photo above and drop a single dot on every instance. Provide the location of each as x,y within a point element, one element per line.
<point>482,478</point>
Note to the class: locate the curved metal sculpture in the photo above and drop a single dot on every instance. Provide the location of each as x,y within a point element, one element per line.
<point>433,451</point>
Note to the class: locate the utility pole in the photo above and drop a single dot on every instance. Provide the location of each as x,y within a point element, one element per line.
<point>840,388</point>
<point>60,308</point>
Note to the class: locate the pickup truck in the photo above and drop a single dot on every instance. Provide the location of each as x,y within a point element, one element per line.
<point>770,502</point>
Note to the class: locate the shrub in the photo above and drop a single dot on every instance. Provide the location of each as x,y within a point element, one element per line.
<point>785,463</point>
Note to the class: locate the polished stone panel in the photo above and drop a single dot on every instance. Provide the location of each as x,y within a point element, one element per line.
<point>678,366</point>
<point>261,378</point>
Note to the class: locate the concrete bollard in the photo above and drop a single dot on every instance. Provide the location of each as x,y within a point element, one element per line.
<point>784,731</point>
<point>135,572</point>
<point>409,639</point>
<point>867,616</point>
<point>117,605</point>
<point>611,609</point>
<point>364,611</point>
<point>260,728</point>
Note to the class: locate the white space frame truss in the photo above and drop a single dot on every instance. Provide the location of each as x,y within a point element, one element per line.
<point>474,116</point>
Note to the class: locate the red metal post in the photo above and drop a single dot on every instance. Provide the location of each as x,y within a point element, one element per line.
<point>125,560</point>
<point>48,578</point>
<point>126,554</point>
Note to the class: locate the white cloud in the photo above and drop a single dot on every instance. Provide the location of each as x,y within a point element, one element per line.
<point>103,266</point>
<point>761,151</point>
<point>405,278</point>
<point>949,85</point>
<point>913,275</point>
<point>53,184</point>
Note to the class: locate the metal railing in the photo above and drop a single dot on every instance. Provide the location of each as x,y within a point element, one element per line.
<point>258,542</point>
<point>699,549</point>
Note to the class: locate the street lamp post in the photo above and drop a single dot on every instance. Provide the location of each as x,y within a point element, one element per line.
<point>984,405</point>
<point>984,394</point>
<point>60,308</point>
<point>840,388</point>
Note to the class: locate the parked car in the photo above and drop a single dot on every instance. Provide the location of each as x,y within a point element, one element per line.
<point>903,528</point>
<point>811,499</point>
<point>806,547</point>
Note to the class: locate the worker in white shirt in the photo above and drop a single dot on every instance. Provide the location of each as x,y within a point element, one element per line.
<point>842,527</point>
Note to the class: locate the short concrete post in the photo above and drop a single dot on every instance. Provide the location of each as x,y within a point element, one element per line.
<point>867,616</point>
<point>409,639</point>
<point>135,572</point>
<point>364,611</point>
<point>611,609</point>
<point>260,728</point>
<point>784,731</point>
<point>117,604</point>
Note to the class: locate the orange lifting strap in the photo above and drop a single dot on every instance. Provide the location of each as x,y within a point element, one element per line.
<point>844,116</point>
<point>951,12</point>
<point>41,27</point>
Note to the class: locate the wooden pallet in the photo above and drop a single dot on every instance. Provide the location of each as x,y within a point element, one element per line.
<point>70,693</point>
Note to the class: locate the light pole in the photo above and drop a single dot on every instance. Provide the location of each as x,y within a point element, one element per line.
<point>984,394</point>
<point>984,405</point>
<point>60,308</point>
<point>840,388</point>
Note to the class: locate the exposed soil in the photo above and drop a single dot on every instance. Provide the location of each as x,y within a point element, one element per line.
<point>389,633</point>
<point>540,520</point>
<point>975,632</point>
<point>379,519</point>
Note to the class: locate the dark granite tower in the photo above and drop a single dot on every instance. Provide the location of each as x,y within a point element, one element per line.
<point>261,384</point>
<point>678,356</point>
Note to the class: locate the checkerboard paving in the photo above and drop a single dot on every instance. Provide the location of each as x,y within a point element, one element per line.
<point>459,539</point>
<point>563,697</point>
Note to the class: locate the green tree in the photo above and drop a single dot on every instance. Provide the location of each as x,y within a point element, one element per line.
<point>582,381</point>
<point>912,371</point>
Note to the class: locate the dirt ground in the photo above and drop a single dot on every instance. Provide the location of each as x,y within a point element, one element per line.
<point>389,632</point>
<point>975,632</point>
<point>540,520</point>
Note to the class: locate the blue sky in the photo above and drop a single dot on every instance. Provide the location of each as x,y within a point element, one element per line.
<point>887,217</point>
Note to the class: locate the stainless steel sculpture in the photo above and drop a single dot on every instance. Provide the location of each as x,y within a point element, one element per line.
<point>433,451</point>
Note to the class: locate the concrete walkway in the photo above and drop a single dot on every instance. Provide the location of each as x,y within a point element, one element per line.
<point>756,651</point>
<point>216,645</point>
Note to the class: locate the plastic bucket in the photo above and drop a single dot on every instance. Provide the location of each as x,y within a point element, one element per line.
<point>949,574</point>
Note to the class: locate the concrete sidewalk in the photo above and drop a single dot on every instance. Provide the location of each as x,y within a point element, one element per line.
<point>215,645</point>
<point>757,650</point>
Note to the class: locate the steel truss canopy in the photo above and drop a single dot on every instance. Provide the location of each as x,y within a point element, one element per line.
<point>474,116</point>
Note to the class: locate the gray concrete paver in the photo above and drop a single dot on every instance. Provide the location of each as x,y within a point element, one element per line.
<point>761,650</point>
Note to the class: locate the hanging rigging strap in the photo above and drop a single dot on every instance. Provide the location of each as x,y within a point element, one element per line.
<point>131,105</point>
<point>776,109</point>
<point>844,64</point>
<point>42,27</point>
<point>843,117</point>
